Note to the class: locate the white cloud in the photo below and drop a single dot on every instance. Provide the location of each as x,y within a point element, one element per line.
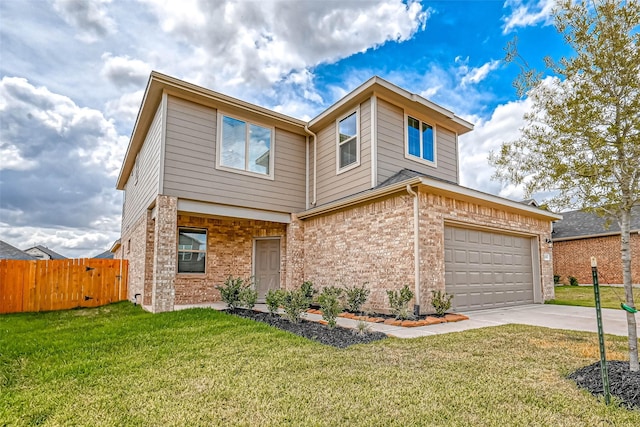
<point>13,160</point>
<point>89,17</point>
<point>263,43</point>
<point>476,75</point>
<point>76,153</point>
<point>488,135</point>
<point>527,13</point>
<point>123,71</point>
<point>125,108</point>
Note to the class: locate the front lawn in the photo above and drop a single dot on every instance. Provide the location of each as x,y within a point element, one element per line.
<point>118,365</point>
<point>582,296</point>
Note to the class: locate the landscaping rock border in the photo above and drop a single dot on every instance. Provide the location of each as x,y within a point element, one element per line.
<point>391,320</point>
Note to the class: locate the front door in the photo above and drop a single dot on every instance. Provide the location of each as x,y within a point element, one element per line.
<point>267,265</point>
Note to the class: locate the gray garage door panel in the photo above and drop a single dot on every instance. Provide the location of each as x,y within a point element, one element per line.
<point>486,269</point>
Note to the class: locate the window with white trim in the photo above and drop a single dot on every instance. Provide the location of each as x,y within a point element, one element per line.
<point>420,140</point>
<point>245,146</point>
<point>348,140</point>
<point>192,250</point>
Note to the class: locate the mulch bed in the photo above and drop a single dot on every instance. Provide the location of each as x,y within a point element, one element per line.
<point>338,337</point>
<point>623,384</point>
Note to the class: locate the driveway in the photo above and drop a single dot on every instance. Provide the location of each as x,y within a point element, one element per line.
<point>546,315</point>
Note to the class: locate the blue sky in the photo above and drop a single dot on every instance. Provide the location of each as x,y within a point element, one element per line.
<point>73,74</point>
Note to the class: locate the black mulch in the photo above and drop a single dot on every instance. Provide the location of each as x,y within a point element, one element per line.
<point>623,384</point>
<point>338,337</point>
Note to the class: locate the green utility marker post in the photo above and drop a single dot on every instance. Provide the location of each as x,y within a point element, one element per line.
<point>603,356</point>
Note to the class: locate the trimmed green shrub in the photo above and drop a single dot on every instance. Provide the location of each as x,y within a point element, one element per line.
<point>329,300</point>
<point>573,281</point>
<point>248,297</point>
<point>294,304</point>
<point>556,279</point>
<point>441,302</point>
<point>308,291</point>
<point>356,297</point>
<point>273,299</point>
<point>230,291</point>
<point>399,303</point>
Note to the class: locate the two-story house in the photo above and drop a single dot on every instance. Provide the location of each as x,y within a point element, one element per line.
<point>365,193</point>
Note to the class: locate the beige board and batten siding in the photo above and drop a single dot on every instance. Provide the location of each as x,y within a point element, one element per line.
<point>331,185</point>
<point>190,164</point>
<point>143,184</point>
<point>391,147</point>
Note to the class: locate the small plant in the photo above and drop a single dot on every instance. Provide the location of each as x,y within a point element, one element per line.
<point>556,279</point>
<point>399,303</point>
<point>307,290</point>
<point>356,297</point>
<point>248,297</point>
<point>294,303</point>
<point>441,302</point>
<point>273,299</point>
<point>362,328</point>
<point>573,281</point>
<point>329,301</point>
<point>234,292</point>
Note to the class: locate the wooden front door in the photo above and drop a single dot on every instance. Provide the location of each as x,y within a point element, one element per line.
<point>267,265</point>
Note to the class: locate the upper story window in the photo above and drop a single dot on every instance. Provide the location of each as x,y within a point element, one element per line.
<point>420,141</point>
<point>348,140</point>
<point>192,250</point>
<point>245,146</point>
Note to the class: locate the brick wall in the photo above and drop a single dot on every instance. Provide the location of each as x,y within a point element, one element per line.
<point>573,258</point>
<point>165,253</point>
<point>229,252</point>
<point>137,247</point>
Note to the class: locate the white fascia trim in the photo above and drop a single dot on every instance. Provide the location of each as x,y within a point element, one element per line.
<point>204,208</point>
<point>591,236</point>
<point>468,192</point>
<point>163,142</point>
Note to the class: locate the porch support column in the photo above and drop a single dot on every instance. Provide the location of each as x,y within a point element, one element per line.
<point>164,253</point>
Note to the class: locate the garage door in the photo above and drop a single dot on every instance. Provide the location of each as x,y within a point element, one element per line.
<point>485,269</point>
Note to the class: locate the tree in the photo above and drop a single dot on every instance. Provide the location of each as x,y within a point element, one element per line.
<point>581,139</point>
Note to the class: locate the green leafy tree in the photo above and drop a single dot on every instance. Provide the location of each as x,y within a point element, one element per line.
<point>581,139</point>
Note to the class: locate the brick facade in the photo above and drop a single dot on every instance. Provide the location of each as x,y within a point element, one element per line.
<point>229,252</point>
<point>573,258</point>
<point>137,247</point>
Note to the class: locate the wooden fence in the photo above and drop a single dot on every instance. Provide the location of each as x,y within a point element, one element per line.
<point>61,284</point>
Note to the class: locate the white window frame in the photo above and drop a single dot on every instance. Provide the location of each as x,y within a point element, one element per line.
<point>190,252</point>
<point>338,143</point>
<point>411,157</point>
<point>272,150</point>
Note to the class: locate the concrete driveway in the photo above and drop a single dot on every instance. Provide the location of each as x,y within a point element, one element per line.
<point>547,315</point>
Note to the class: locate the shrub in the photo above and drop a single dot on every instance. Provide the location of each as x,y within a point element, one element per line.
<point>556,279</point>
<point>248,297</point>
<point>307,290</point>
<point>274,299</point>
<point>399,303</point>
<point>329,301</point>
<point>573,281</point>
<point>294,303</point>
<point>362,328</point>
<point>233,292</point>
<point>356,297</point>
<point>441,302</point>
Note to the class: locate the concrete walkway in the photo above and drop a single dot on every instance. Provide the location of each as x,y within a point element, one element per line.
<point>549,316</point>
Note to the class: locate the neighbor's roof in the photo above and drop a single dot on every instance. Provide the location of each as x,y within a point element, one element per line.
<point>400,180</point>
<point>52,254</point>
<point>105,255</point>
<point>11,252</point>
<point>581,225</point>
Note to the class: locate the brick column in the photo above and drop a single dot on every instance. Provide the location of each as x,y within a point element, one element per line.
<point>164,254</point>
<point>294,257</point>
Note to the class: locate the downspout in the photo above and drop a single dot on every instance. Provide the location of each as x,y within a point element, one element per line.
<point>315,164</point>
<point>416,250</point>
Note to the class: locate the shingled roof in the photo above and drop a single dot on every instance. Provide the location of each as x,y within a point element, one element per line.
<point>580,224</point>
<point>11,252</point>
<point>52,254</point>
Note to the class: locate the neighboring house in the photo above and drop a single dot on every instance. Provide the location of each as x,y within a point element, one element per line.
<point>581,235</point>
<point>104,255</point>
<point>42,252</point>
<point>11,252</point>
<point>366,193</point>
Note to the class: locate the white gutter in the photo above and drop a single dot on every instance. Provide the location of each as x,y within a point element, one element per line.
<point>374,140</point>
<point>306,175</point>
<point>315,164</point>
<point>416,249</point>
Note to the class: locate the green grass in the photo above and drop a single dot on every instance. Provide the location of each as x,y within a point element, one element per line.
<point>582,296</point>
<point>118,365</point>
